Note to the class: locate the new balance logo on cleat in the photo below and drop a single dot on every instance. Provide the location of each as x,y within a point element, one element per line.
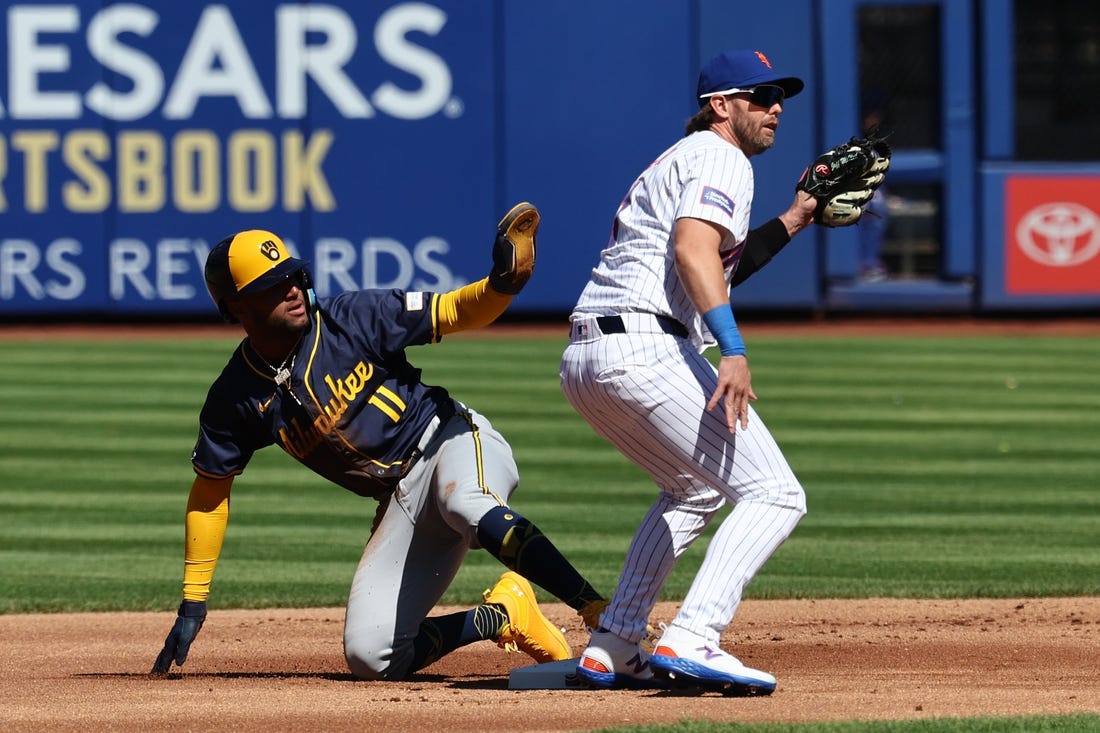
<point>637,665</point>
<point>709,653</point>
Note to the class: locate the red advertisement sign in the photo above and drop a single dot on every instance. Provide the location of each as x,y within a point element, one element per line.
<point>1052,235</point>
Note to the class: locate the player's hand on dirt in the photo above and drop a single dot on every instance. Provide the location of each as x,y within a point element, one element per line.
<point>189,620</point>
<point>734,391</point>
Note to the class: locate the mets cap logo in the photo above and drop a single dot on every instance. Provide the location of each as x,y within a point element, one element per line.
<point>763,59</point>
<point>1059,234</point>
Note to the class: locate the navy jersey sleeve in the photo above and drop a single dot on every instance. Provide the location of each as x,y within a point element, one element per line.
<point>230,427</point>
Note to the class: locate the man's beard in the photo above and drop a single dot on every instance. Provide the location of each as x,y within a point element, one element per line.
<point>754,140</point>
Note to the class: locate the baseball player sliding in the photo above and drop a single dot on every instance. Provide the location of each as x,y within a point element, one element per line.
<point>327,381</point>
<point>634,370</point>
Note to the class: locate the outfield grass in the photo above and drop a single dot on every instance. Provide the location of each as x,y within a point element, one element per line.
<point>934,467</point>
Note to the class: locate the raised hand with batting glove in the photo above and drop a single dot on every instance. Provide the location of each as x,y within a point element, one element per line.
<point>844,178</point>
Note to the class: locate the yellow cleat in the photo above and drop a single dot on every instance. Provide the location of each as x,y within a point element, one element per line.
<point>527,630</point>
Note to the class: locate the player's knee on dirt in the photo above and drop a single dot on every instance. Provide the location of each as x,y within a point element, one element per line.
<point>364,663</point>
<point>372,661</point>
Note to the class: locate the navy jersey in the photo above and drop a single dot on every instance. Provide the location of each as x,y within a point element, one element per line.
<point>353,409</point>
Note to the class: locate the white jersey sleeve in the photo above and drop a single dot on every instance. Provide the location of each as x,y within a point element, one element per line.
<point>717,186</point>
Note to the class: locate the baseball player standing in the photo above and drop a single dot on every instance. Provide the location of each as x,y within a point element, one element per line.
<point>634,370</point>
<point>327,380</point>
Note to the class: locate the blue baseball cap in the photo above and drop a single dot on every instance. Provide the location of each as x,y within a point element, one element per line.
<point>742,69</point>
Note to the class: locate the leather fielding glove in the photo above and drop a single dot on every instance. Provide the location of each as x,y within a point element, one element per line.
<point>844,178</point>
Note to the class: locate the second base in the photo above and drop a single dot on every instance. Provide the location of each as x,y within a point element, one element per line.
<point>549,676</point>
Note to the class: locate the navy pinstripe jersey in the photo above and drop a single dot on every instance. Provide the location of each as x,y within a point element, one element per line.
<point>354,408</point>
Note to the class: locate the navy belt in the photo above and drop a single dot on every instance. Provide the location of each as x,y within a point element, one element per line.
<point>614,324</point>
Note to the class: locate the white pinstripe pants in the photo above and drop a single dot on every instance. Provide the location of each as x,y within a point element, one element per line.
<point>646,393</point>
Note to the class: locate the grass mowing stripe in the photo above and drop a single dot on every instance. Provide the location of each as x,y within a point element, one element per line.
<point>945,422</point>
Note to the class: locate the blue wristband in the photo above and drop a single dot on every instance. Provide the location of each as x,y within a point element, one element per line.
<point>721,323</point>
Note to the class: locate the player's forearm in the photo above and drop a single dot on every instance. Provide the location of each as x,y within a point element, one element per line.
<point>705,285</point>
<point>471,306</point>
<point>769,238</point>
<point>207,518</point>
<point>761,245</point>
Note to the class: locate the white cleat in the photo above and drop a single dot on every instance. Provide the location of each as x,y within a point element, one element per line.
<point>689,660</point>
<point>611,662</point>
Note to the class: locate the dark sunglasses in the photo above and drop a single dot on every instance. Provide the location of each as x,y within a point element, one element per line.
<point>766,95</point>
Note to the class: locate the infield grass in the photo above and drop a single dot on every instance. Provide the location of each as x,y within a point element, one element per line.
<point>934,467</point>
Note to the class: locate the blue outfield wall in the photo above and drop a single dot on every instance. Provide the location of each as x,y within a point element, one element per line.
<point>383,140</point>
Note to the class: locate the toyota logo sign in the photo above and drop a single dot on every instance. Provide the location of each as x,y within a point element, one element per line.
<point>1059,234</point>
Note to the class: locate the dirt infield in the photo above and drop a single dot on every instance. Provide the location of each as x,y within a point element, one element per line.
<point>283,670</point>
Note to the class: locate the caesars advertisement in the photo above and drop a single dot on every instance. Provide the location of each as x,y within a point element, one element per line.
<point>134,136</point>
